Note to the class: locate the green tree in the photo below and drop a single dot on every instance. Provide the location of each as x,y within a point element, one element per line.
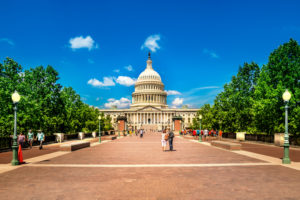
<point>233,107</point>
<point>281,72</point>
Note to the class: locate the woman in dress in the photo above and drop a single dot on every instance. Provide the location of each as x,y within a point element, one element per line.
<point>163,140</point>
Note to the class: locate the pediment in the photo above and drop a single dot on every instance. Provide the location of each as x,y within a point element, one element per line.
<point>149,108</point>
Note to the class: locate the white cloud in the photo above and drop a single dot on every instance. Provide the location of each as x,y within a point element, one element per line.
<point>122,103</point>
<point>173,92</point>
<point>111,99</point>
<point>107,81</point>
<point>129,68</point>
<point>177,102</point>
<point>195,90</point>
<point>98,98</point>
<point>10,42</point>
<point>151,43</point>
<point>111,81</point>
<point>117,70</point>
<point>81,42</point>
<point>211,53</point>
<point>125,80</point>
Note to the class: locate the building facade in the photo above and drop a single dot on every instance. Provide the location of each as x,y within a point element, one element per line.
<point>149,109</point>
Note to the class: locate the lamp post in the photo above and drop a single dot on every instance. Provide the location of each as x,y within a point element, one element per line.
<point>286,158</point>
<point>100,117</point>
<point>200,136</point>
<point>15,98</point>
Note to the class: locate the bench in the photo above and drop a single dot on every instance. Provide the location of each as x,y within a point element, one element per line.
<point>74,146</point>
<point>226,145</point>
<point>106,137</point>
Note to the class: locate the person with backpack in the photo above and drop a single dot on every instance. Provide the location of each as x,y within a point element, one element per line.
<point>171,137</point>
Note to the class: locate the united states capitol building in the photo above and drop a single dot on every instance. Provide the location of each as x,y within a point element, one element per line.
<point>149,109</point>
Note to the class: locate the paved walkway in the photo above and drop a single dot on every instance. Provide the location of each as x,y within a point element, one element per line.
<point>135,168</point>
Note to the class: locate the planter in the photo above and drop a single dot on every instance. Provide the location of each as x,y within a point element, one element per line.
<point>279,139</point>
<point>81,135</point>
<point>59,137</point>
<point>240,136</point>
<point>94,134</point>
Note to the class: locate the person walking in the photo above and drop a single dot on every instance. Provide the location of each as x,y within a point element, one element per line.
<point>141,133</point>
<point>205,133</point>
<point>30,138</point>
<point>41,138</point>
<point>21,139</point>
<point>171,137</point>
<point>220,134</point>
<point>194,134</point>
<point>164,138</point>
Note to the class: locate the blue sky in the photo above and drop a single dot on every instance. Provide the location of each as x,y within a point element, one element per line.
<point>100,47</point>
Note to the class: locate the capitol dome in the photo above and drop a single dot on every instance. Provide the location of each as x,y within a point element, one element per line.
<point>149,74</point>
<point>149,89</point>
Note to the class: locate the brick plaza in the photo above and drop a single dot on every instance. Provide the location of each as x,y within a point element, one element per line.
<point>135,168</point>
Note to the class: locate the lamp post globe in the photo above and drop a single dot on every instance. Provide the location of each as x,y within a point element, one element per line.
<point>200,136</point>
<point>15,98</point>
<point>286,96</point>
<point>100,117</point>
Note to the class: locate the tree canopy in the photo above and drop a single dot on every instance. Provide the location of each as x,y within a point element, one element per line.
<point>44,104</point>
<point>253,102</point>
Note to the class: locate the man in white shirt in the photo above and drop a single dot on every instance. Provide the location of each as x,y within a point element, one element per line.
<point>41,138</point>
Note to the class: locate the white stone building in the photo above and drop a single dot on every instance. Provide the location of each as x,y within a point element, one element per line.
<point>149,109</point>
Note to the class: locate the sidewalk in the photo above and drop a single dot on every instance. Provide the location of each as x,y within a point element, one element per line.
<point>6,157</point>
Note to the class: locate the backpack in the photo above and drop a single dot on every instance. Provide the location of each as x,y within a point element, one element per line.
<point>167,136</point>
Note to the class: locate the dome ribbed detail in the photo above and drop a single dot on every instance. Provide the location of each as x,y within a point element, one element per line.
<point>149,89</point>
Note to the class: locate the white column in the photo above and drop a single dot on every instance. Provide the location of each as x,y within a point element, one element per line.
<point>153,117</point>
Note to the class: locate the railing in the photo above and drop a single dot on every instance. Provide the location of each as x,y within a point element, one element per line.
<point>5,142</point>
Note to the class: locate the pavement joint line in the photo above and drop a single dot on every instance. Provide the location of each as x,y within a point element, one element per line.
<point>150,165</point>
